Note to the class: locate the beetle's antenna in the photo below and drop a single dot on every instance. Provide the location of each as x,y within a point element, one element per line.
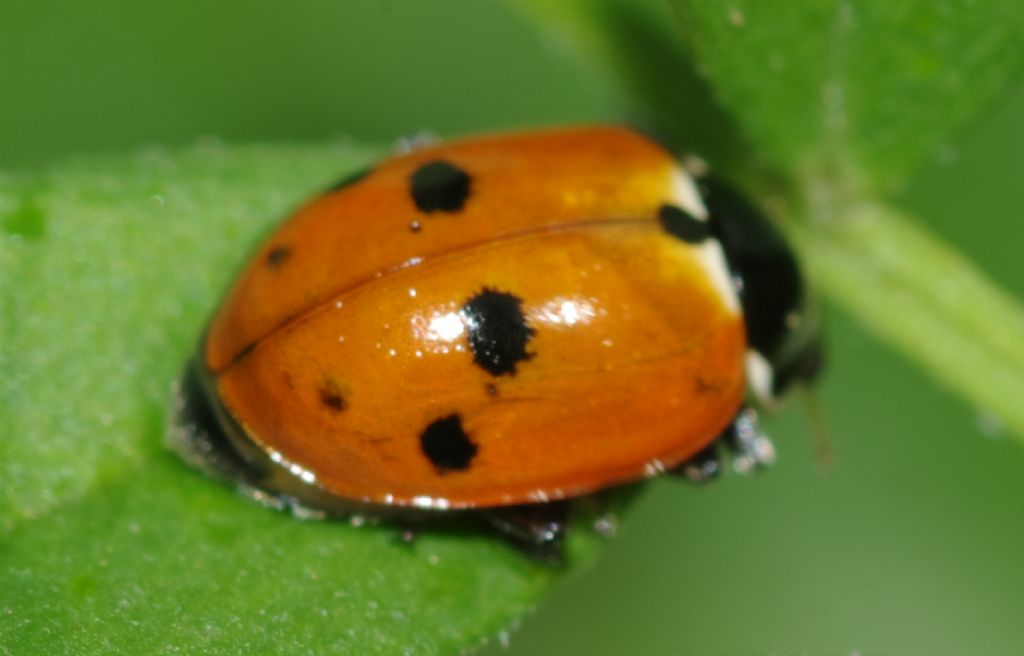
<point>824,455</point>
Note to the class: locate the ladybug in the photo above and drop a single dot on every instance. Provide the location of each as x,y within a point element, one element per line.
<point>499,325</point>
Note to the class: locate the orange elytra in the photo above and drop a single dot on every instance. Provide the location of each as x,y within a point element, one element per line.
<point>499,324</point>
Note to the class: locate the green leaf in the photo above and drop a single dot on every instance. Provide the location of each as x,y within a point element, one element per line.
<point>109,269</point>
<point>927,300</point>
<point>861,89</point>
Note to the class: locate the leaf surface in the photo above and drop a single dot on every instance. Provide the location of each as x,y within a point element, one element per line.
<point>109,269</point>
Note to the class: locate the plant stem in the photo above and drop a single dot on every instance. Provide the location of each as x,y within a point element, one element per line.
<point>922,296</point>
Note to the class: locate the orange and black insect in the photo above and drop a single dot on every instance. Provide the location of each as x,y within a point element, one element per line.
<point>499,325</point>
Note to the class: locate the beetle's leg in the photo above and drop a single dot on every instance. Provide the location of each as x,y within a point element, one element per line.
<point>702,467</point>
<point>538,528</point>
<point>743,439</point>
<point>407,531</point>
<point>749,446</point>
<point>599,509</point>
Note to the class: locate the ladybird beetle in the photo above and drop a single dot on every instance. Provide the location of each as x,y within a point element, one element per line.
<point>499,325</point>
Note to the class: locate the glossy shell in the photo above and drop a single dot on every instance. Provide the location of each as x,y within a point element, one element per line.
<point>497,321</point>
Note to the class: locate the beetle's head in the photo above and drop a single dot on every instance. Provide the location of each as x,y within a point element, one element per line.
<point>783,323</point>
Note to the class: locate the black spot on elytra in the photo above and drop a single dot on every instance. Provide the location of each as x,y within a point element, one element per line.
<point>332,397</point>
<point>446,444</point>
<point>497,331</point>
<point>439,187</point>
<point>349,180</point>
<point>681,224</point>
<point>491,389</point>
<point>278,255</point>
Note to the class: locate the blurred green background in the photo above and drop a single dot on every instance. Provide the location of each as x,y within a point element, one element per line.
<point>911,545</point>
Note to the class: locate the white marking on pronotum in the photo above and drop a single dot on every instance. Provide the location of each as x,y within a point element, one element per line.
<point>710,254</point>
<point>760,376</point>
<point>686,195</point>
